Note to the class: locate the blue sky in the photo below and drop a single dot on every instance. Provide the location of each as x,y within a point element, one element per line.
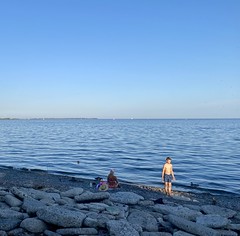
<point>120,59</point>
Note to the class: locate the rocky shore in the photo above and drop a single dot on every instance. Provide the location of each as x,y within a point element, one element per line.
<point>38,203</point>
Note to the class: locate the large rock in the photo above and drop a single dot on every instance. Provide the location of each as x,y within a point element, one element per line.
<point>155,234</point>
<point>72,192</point>
<point>9,224</point>
<point>92,197</point>
<point>121,228</point>
<point>12,201</point>
<point>216,210</point>
<point>19,193</point>
<point>16,232</point>
<point>97,206</point>
<point>62,217</point>
<point>178,211</point>
<point>31,206</point>
<point>3,233</point>
<point>182,233</point>
<point>38,195</point>
<point>213,221</point>
<point>223,232</point>
<point>51,233</point>
<point>10,214</point>
<point>234,227</point>
<point>77,231</point>
<point>126,198</point>
<point>191,227</point>
<point>89,222</point>
<point>33,225</point>
<point>144,219</point>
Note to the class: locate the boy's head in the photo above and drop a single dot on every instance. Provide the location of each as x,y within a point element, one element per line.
<point>168,159</point>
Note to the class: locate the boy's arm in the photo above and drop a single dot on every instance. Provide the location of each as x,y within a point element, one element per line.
<point>173,175</point>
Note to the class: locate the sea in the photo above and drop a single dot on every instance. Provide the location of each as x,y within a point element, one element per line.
<point>205,152</point>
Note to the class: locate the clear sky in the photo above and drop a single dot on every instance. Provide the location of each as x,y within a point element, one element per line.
<point>120,59</point>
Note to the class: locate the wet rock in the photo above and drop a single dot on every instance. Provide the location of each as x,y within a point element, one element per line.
<point>126,198</point>
<point>216,210</point>
<point>50,233</point>
<point>146,203</point>
<point>234,227</point>
<point>121,228</point>
<point>16,232</point>
<point>77,231</point>
<point>10,214</point>
<point>17,192</point>
<point>155,234</point>
<point>31,205</point>
<point>38,195</point>
<point>213,221</point>
<point>97,206</point>
<point>90,222</point>
<point>144,219</point>
<point>3,233</point>
<point>87,197</point>
<point>113,210</point>
<point>191,227</point>
<point>60,216</point>
<point>182,233</point>
<point>12,201</point>
<point>178,211</point>
<point>9,224</point>
<point>227,233</point>
<point>33,225</point>
<point>72,192</point>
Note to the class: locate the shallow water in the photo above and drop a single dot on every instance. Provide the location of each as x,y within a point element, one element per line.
<point>205,152</point>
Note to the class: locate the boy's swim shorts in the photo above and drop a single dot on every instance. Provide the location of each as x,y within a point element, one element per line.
<point>168,178</point>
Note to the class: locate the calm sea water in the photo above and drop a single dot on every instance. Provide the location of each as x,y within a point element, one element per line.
<point>205,152</point>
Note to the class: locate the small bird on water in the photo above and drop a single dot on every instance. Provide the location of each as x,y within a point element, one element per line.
<point>194,185</point>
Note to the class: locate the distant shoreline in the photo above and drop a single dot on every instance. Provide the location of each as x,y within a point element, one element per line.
<point>49,118</point>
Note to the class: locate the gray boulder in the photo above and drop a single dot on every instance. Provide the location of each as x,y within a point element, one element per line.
<point>216,210</point>
<point>213,221</point>
<point>16,232</point>
<point>126,198</point>
<point>90,222</point>
<point>51,233</point>
<point>191,227</point>
<point>144,219</point>
<point>178,211</point>
<point>60,216</point>
<point>234,227</point>
<point>3,233</point>
<point>223,232</point>
<point>12,201</point>
<point>92,197</point>
<point>33,225</point>
<point>9,224</point>
<point>31,205</point>
<point>155,234</point>
<point>38,195</point>
<point>98,206</point>
<point>182,233</point>
<point>19,193</point>
<point>121,228</point>
<point>10,214</point>
<point>77,231</point>
<point>72,192</point>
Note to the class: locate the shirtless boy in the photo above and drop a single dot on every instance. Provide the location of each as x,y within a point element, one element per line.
<point>168,176</point>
